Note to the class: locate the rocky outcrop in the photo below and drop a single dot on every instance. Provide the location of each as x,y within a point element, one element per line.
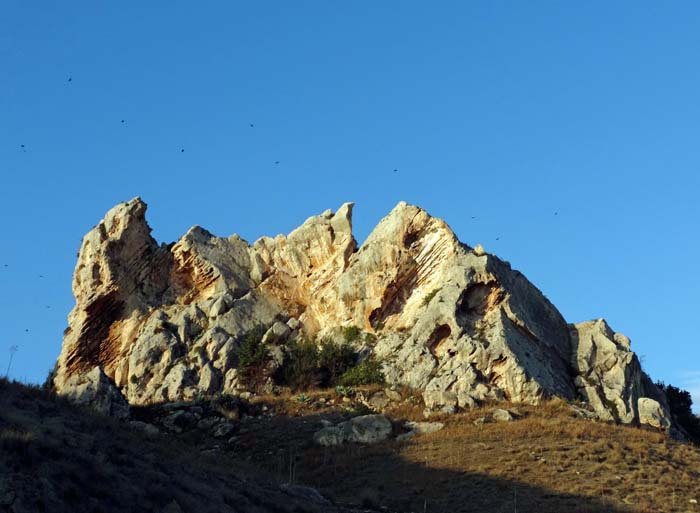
<point>652,413</point>
<point>166,322</point>
<point>95,390</point>
<point>366,429</point>
<point>609,376</point>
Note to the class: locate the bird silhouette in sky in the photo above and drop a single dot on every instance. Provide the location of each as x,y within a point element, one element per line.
<point>24,149</point>
<point>70,79</point>
<point>498,238</point>
<point>122,121</point>
<point>556,213</point>
<point>41,276</point>
<point>251,125</point>
<point>396,170</point>
<point>182,150</point>
<point>26,330</point>
<point>277,161</point>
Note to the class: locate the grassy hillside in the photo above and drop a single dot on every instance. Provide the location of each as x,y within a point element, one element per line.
<point>55,457</point>
<point>548,460</point>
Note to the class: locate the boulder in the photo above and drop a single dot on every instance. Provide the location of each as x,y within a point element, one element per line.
<point>95,390</point>
<point>378,401</point>
<point>366,429</point>
<point>179,421</point>
<point>223,430</point>
<point>393,395</point>
<point>652,413</point>
<point>148,429</point>
<point>609,375</point>
<point>209,379</point>
<point>421,428</point>
<point>305,493</point>
<point>501,415</point>
<point>330,436</point>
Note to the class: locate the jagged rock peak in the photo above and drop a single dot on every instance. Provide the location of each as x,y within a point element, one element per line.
<point>167,322</point>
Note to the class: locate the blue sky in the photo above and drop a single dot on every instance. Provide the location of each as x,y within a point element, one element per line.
<point>507,111</point>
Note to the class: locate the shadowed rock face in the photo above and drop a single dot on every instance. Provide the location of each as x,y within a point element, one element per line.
<point>165,322</point>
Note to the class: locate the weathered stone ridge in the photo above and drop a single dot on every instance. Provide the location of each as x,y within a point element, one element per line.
<point>165,322</point>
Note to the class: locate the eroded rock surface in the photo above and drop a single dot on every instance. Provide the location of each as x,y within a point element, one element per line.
<point>166,322</point>
<point>608,374</point>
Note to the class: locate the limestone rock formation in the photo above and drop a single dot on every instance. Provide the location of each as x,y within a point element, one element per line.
<point>167,322</point>
<point>608,375</point>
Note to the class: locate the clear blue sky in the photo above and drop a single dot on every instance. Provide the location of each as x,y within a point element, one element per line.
<point>507,111</point>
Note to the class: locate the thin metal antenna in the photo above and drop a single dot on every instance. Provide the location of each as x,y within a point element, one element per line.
<point>13,350</point>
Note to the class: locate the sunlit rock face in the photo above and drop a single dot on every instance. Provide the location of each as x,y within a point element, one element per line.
<point>165,322</point>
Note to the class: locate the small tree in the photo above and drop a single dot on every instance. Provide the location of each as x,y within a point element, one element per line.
<point>252,358</point>
<point>680,402</point>
<point>334,359</point>
<point>300,368</point>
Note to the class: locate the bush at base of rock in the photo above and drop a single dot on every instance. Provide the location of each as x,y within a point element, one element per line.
<point>367,372</point>
<point>252,357</point>
<point>328,363</point>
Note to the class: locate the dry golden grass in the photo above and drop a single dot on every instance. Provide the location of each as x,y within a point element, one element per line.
<point>57,458</point>
<point>546,461</point>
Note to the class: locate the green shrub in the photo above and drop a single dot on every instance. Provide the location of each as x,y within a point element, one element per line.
<point>334,359</point>
<point>303,399</point>
<point>367,372</point>
<point>252,358</point>
<point>300,367</point>
<point>427,299</point>
<point>326,364</point>
<point>351,333</point>
<point>345,391</point>
<point>252,352</point>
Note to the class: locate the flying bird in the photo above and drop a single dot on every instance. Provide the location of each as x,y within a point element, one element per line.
<point>498,238</point>
<point>251,125</point>
<point>396,170</point>
<point>277,161</point>
<point>556,213</point>
<point>182,150</point>
<point>122,121</point>
<point>70,79</point>
<point>26,330</point>
<point>41,276</point>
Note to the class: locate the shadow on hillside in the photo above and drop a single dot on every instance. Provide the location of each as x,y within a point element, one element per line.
<point>381,477</point>
<point>87,463</point>
<point>384,478</point>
